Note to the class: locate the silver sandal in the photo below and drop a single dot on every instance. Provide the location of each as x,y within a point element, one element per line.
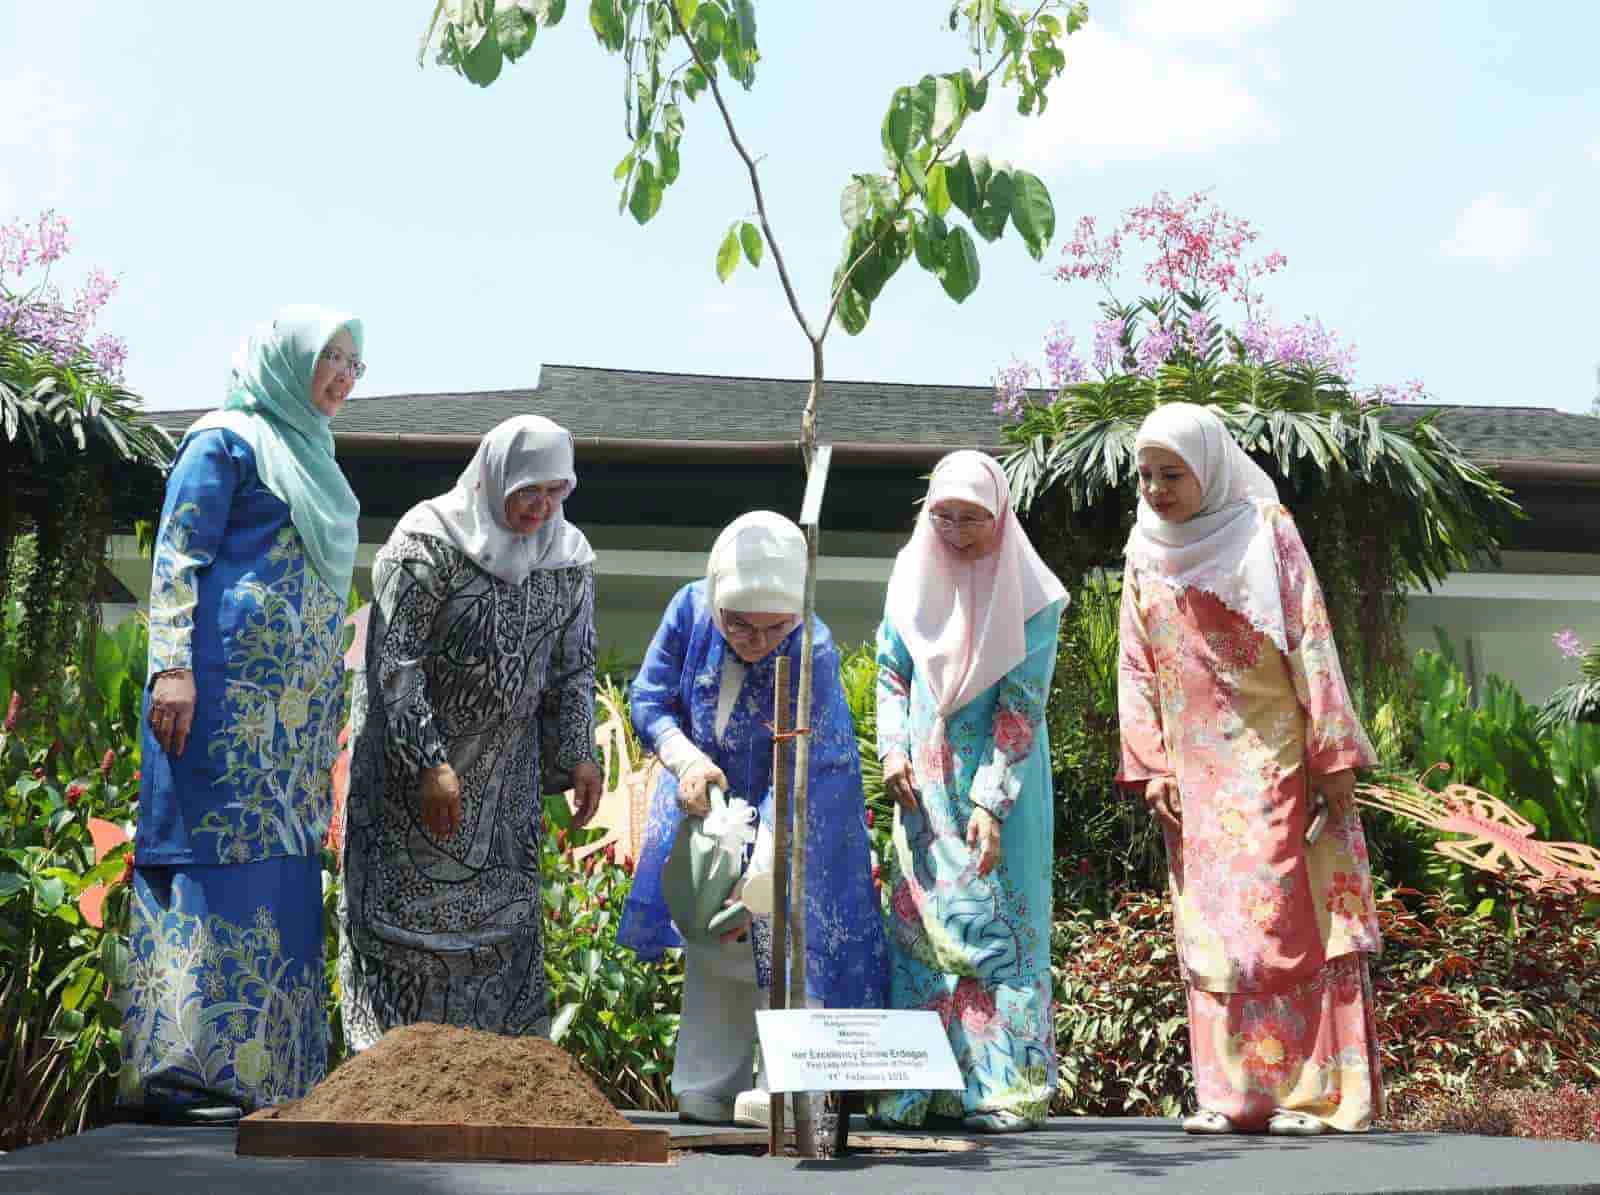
<point>1295,1124</point>
<point>1208,1122</point>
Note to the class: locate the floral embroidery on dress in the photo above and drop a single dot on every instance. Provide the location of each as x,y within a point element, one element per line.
<point>173,593</point>
<point>215,1006</point>
<point>285,673</point>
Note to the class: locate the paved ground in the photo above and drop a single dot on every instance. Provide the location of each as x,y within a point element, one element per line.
<point>1068,1157</point>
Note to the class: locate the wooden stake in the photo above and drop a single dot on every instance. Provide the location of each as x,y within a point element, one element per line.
<point>781,725</point>
<point>805,1137</point>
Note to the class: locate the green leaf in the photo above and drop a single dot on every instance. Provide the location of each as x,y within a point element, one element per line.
<point>750,238</point>
<point>605,18</point>
<point>645,201</point>
<point>50,893</point>
<point>1032,212</point>
<point>667,157</point>
<point>711,29</point>
<point>855,202</point>
<point>11,884</point>
<point>623,167</point>
<point>928,243</point>
<point>515,30</point>
<point>728,254</point>
<point>482,61</point>
<point>854,311</point>
<point>947,108</point>
<point>899,125</point>
<point>960,277</point>
<point>990,219</point>
<point>962,186</point>
<point>686,11</point>
<point>977,93</point>
<point>938,190</point>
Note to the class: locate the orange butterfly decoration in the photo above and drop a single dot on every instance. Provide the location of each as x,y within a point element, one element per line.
<point>1493,837</point>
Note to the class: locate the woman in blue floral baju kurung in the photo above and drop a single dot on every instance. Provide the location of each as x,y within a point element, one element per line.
<point>966,653</point>
<point>252,567</point>
<point>703,702</point>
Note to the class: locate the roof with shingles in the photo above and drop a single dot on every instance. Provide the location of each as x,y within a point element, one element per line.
<point>637,404</point>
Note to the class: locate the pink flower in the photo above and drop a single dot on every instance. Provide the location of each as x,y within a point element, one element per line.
<point>973,1005</point>
<point>1013,733</point>
<point>107,762</point>
<point>1566,641</point>
<point>13,712</point>
<point>907,902</point>
<point>75,792</point>
<point>934,761</point>
<point>871,817</point>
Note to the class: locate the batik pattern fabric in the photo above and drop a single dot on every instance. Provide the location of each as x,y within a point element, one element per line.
<point>229,833</point>
<point>226,994</point>
<point>497,680</point>
<point>677,686</point>
<point>1273,934</point>
<point>975,949</point>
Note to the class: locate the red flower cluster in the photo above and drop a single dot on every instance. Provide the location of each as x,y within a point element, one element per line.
<point>107,762</point>
<point>75,792</point>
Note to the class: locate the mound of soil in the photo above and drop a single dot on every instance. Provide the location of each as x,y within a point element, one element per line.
<point>439,1074</point>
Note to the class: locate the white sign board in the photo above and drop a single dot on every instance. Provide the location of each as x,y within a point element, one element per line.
<point>848,1050</point>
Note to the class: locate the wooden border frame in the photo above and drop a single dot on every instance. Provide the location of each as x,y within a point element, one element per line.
<point>263,1134</point>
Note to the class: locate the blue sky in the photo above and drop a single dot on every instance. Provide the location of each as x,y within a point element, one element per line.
<point>1430,169</point>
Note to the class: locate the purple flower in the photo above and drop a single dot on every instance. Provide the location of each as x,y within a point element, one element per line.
<point>110,354</point>
<point>1154,350</point>
<point>1065,367</point>
<point>1200,328</point>
<point>1108,344</point>
<point>1011,387</point>
<point>1568,644</point>
<point>1256,336</point>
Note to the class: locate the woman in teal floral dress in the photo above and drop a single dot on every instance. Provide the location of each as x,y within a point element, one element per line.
<point>253,560</point>
<point>965,656</point>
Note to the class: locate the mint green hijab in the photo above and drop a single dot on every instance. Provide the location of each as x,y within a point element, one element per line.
<point>269,407</point>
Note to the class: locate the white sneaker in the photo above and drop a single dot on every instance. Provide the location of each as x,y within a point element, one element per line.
<point>696,1107</point>
<point>753,1109</point>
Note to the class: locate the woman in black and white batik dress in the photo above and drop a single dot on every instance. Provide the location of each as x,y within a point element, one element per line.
<point>476,698</point>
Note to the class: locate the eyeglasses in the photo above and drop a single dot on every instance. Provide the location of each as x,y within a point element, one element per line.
<point>341,360</point>
<point>738,628</point>
<point>962,523</point>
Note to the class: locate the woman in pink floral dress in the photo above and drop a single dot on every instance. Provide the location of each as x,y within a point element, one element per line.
<point>965,656</point>
<point>1239,732</point>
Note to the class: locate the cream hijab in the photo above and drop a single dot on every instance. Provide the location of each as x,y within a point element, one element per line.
<point>757,566</point>
<point>1227,548</point>
<point>524,450</point>
<point>963,621</point>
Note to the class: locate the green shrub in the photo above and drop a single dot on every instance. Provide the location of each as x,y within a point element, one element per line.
<point>616,1016</point>
<point>1504,996</point>
<point>1121,1012</point>
<point>60,1028</point>
<point>1563,1114</point>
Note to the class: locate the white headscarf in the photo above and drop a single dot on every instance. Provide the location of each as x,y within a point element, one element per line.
<point>524,450</point>
<point>1226,549</point>
<point>757,566</point>
<point>963,620</point>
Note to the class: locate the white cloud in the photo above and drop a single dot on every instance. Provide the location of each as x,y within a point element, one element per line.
<point>1124,98</point>
<point>1205,18</point>
<point>1499,230</point>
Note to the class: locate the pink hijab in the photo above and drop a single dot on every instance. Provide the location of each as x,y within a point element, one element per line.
<point>962,621</point>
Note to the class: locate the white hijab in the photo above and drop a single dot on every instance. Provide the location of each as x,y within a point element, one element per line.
<point>1227,548</point>
<point>963,621</point>
<point>757,566</point>
<point>525,450</point>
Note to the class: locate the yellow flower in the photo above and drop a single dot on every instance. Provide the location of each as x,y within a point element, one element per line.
<point>252,1063</point>
<point>294,708</point>
<point>1270,1050</point>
